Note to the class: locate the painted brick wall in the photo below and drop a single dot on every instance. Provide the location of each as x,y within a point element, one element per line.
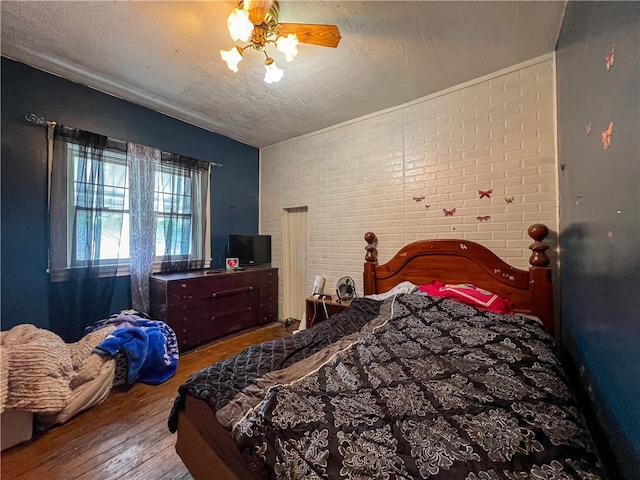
<point>495,133</point>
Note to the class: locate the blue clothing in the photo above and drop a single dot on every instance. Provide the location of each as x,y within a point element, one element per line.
<point>151,347</point>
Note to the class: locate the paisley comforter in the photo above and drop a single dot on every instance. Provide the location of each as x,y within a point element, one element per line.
<point>428,388</point>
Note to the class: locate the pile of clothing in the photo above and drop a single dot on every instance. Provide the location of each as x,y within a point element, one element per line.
<point>42,374</point>
<point>150,346</point>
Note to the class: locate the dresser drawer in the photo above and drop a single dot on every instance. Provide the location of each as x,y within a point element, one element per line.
<point>187,311</point>
<point>189,339</point>
<point>185,291</point>
<point>269,294</point>
<point>265,280</point>
<point>268,313</point>
<point>226,323</point>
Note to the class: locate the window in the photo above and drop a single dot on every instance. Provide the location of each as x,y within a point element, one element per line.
<point>91,226</point>
<point>172,203</point>
<point>85,177</point>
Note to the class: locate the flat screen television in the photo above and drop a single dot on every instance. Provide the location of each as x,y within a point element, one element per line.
<point>251,250</point>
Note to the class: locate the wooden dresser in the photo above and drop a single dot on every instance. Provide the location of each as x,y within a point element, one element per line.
<point>202,306</point>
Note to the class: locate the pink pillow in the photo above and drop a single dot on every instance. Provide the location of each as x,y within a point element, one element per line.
<point>471,295</point>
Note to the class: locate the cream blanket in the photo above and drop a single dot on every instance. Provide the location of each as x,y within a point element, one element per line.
<point>40,373</point>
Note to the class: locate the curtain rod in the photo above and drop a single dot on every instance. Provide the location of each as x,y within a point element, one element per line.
<point>33,118</point>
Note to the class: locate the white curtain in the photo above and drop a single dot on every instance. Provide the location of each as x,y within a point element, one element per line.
<point>142,161</point>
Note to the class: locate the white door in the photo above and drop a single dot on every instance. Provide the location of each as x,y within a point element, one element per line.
<point>294,253</point>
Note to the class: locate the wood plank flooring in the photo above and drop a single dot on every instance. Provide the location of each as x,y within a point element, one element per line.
<point>126,436</point>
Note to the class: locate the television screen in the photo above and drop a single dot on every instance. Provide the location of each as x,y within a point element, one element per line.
<point>251,250</point>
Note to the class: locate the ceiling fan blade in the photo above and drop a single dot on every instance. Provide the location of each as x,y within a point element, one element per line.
<point>323,35</point>
<point>258,9</point>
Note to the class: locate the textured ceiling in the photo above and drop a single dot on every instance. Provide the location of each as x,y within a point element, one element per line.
<point>165,56</point>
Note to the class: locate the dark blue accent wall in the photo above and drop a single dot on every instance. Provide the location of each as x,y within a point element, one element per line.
<point>25,283</point>
<point>600,215</point>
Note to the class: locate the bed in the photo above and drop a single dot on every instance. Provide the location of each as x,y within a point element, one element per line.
<point>401,384</point>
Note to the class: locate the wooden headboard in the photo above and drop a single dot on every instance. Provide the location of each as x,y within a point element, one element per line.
<point>463,261</point>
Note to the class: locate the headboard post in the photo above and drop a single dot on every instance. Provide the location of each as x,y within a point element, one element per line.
<point>540,276</point>
<point>538,258</point>
<point>371,261</point>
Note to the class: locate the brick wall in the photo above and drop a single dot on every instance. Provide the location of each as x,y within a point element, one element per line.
<point>496,133</point>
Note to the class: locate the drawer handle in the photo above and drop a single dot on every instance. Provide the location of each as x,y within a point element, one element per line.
<point>231,292</point>
<point>213,318</point>
<point>184,285</point>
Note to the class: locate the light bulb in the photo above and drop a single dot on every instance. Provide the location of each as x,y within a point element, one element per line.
<point>273,73</point>
<point>288,45</point>
<point>232,57</point>
<point>239,25</point>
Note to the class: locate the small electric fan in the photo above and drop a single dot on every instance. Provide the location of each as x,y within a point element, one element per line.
<point>346,289</point>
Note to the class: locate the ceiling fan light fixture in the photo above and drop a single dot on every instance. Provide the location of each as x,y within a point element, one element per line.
<point>232,57</point>
<point>273,73</point>
<point>239,25</point>
<point>256,22</point>
<point>288,45</point>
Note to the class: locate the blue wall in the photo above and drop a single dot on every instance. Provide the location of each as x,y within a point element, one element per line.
<point>25,283</point>
<point>600,215</point>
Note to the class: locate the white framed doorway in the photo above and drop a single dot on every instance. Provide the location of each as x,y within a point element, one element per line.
<point>294,253</point>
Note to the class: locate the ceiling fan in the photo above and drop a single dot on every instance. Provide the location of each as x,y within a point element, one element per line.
<point>256,22</point>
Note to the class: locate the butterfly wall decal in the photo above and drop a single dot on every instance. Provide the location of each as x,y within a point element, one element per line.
<point>609,234</point>
<point>485,193</point>
<point>610,57</point>
<point>588,129</point>
<point>449,213</point>
<point>606,136</point>
<point>418,199</point>
<point>486,218</point>
<point>509,199</point>
<point>427,206</point>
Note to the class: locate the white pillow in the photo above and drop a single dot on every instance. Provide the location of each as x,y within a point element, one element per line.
<point>403,287</point>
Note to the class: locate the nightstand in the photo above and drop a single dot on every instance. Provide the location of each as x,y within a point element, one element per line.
<point>315,309</point>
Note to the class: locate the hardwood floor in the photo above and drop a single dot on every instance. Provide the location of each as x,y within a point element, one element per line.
<point>126,436</point>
